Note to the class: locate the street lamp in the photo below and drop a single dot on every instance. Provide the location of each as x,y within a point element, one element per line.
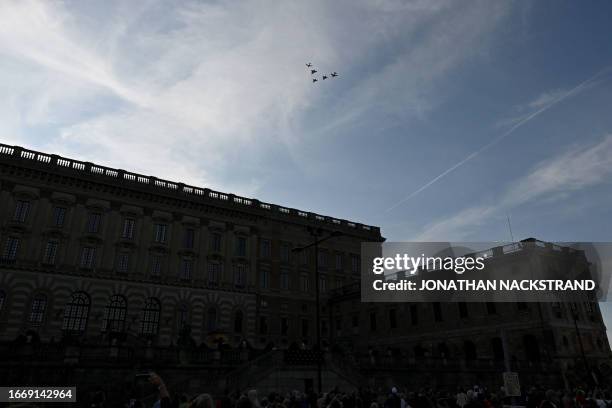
<point>317,234</point>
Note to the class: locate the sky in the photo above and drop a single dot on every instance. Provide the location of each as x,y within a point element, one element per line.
<point>447,119</point>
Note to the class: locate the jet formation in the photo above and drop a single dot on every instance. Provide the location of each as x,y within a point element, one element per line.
<point>323,77</point>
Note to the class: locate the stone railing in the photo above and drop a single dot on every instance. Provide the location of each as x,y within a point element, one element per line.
<point>80,169</point>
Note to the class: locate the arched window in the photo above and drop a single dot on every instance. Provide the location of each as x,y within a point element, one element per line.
<point>114,315</point>
<point>37,312</point>
<point>183,316</point>
<point>238,318</point>
<point>76,313</point>
<point>211,322</point>
<point>149,322</point>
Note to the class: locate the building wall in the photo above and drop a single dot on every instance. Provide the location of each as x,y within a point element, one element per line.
<point>249,241</point>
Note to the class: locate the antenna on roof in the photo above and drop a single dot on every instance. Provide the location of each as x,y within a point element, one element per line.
<point>510,228</point>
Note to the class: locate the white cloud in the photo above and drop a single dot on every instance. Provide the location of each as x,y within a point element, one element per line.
<point>574,170</point>
<point>204,89</point>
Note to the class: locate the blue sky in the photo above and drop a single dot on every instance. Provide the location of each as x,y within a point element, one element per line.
<point>216,94</point>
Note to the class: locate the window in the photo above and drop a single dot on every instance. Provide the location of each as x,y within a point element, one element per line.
<point>238,320</point>
<point>491,308</point>
<point>322,283</point>
<point>88,257</point>
<point>322,259</point>
<point>2,300</point>
<point>128,228</point>
<point>522,306</point>
<point>266,248</point>
<point>355,321</point>
<point>305,328</point>
<point>414,315</point>
<point>21,210</point>
<point>263,325</point>
<point>324,328</point>
<point>284,279</point>
<point>50,253</point>
<point>284,326</point>
<point>37,312</point>
<point>160,233</point>
<point>339,262</point>
<point>10,249</point>
<point>215,242</point>
<point>240,275</point>
<point>285,252</point>
<point>182,317</point>
<point>114,315</point>
<point>76,313</point>
<point>264,278</point>
<point>59,215</point>
<point>304,283</point>
<point>156,265</point>
<point>214,273</point>
<point>339,282</point>
<point>241,244</point>
<point>355,264</point>
<point>93,222</point>
<point>211,322</point>
<point>123,262</point>
<point>372,321</point>
<point>185,269</point>
<point>189,238</point>
<point>437,309</point>
<point>463,310</point>
<point>392,318</point>
<point>149,321</point>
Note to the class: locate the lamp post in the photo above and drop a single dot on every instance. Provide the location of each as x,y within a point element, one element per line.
<point>316,233</point>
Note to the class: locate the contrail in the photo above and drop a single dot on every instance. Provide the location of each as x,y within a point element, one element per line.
<point>577,89</point>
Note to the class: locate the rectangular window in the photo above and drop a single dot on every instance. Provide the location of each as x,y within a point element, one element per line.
<point>59,215</point>
<point>437,309</point>
<point>339,262</point>
<point>322,259</point>
<point>263,325</point>
<point>372,321</point>
<point>355,321</point>
<point>21,210</point>
<point>215,242</point>
<point>214,273</point>
<point>284,278</point>
<point>285,252</point>
<point>241,244</point>
<point>123,261</point>
<point>304,283</point>
<point>339,283</point>
<point>160,233</point>
<point>322,283</point>
<point>88,256</point>
<point>37,313</point>
<point>355,264</point>
<point>414,315</point>
<point>284,326</point>
<point>305,328</point>
<point>264,278</point>
<point>240,275</point>
<point>491,308</point>
<point>266,248</point>
<point>522,306</point>
<point>50,253</point>
<point>128,228</point>
<point>189,238</point>
<point>93,222</point>
<point>186,268</point>
<point>156,265</point>
<point>10,249</point>
<point>392,318</point>
<point>463,310</point>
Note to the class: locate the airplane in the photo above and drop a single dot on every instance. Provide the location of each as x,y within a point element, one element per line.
<point>334,74</point>
<point>309,64</point>
<point>324,77</point>
<point>313,71</point>
<point>314,80</point>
